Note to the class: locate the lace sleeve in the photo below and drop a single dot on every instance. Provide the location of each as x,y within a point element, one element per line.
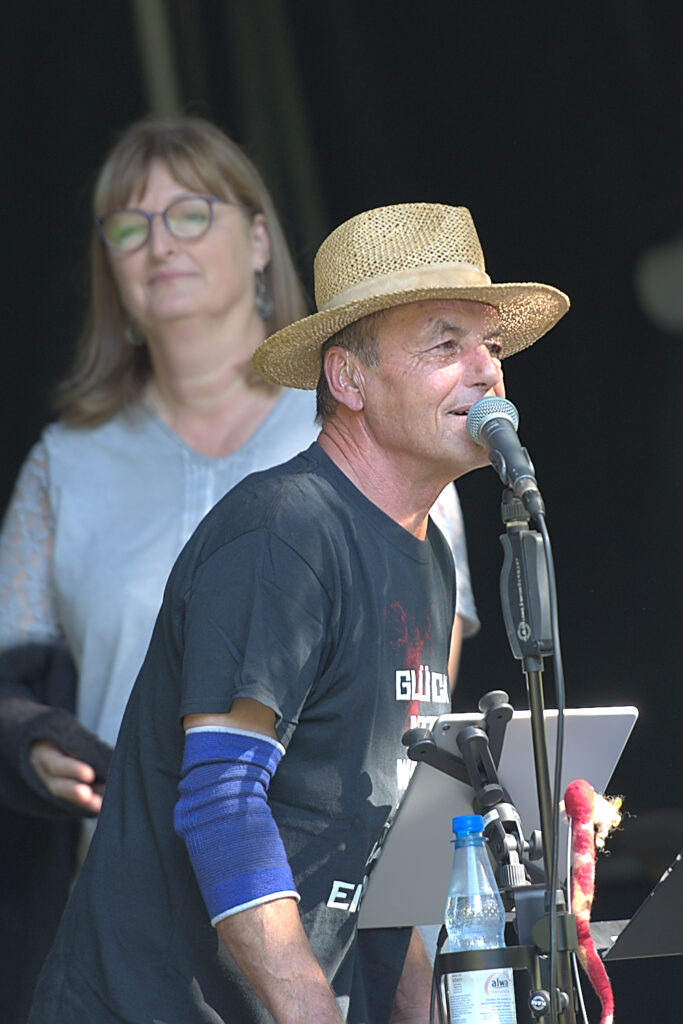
<point>27,607</point>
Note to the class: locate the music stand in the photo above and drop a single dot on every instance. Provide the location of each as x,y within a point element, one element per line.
<point>408,883</point>
<point>655,928</point>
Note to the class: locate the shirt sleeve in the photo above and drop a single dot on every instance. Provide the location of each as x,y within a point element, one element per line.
<point>27,605</point>
<point>256,625</point>
<point>447,514</point>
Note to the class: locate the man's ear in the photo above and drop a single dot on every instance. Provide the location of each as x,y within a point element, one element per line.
<point>344,378</point>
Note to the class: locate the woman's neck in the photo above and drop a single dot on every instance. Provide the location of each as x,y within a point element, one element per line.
<point>204,388</point>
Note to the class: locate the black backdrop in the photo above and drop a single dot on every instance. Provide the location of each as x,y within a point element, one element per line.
<point>559,126</point>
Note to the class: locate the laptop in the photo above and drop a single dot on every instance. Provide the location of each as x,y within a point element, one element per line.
<point>408,881</point>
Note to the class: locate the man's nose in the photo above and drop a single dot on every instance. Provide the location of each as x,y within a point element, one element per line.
<point>483,367</point>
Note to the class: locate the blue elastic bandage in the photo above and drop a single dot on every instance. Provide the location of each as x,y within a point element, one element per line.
<point>225,819</point>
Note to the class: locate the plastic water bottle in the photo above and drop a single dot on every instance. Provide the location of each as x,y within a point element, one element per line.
<point>475,919</point>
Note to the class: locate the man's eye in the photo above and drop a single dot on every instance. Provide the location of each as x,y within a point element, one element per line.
<point>495,348</point>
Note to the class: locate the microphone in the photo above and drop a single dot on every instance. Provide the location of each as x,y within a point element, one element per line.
<point>492,423</point>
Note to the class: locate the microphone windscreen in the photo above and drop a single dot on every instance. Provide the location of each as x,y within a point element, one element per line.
<point>490,408</point>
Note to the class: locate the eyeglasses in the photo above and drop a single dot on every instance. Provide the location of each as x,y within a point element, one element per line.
<point>186,218</point>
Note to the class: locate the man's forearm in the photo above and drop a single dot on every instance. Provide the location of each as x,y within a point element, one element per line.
<point>411,1005</point>
<point>269,945</point>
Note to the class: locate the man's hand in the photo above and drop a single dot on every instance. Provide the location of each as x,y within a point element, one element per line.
<point>65,777</point>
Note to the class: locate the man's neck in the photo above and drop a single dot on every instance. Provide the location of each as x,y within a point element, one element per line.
<point>403,493</point>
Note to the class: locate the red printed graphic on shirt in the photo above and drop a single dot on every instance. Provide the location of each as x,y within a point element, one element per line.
<point>416,682</point>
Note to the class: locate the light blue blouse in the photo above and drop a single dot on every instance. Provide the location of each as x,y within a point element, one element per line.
<point>97,519</point>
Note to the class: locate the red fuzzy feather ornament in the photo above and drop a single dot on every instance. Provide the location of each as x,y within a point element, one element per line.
<point>593,817</point>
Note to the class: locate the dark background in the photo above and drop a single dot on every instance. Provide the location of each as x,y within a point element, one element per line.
<point>559,126</point>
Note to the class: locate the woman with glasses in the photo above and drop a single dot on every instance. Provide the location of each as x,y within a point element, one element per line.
<point>160,415</point>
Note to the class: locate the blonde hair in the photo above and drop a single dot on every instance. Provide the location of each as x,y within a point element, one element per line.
<point>108,373</point>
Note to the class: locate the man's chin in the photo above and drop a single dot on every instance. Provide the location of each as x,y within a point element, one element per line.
<point>465,463</point>
<point>482,461</point>
<point>476,457</point>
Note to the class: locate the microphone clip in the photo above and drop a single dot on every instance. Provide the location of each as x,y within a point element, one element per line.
<point>522,484</point>
<point>524,585</point>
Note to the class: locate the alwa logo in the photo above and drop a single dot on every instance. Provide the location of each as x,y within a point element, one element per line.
<point>496,983</point>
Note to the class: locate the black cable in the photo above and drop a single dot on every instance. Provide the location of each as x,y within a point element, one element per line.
<point>558,672</point>
<point>436,1001</point>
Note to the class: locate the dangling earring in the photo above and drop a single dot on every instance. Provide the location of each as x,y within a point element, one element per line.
<point>133,334</point>
<point>263,302</point>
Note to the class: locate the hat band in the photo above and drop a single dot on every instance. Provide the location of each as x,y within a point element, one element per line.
<point>417,279</point>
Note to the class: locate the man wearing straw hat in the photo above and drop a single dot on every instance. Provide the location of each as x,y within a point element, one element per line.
<point>304,627</point>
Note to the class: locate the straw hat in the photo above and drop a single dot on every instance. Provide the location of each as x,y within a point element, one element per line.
<point>393,255</point>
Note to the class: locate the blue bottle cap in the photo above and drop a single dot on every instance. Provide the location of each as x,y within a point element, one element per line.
<point>465,824</point>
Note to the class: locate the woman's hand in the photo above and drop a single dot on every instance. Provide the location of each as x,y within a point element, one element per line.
<point>65,777</point>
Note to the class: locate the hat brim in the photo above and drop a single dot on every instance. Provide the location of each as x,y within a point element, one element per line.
<point>292,356</point>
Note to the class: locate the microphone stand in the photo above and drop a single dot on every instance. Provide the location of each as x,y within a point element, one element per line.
<point>526,603</point>
<point>524,595</point>
<point>539,912</point>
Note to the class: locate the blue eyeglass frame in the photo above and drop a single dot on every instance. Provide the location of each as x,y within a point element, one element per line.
<point>211,200</point>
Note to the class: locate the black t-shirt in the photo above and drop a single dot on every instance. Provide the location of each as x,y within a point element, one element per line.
<point>300,593</point>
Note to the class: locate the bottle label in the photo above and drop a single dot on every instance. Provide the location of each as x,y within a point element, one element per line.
<point>482,997</point>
